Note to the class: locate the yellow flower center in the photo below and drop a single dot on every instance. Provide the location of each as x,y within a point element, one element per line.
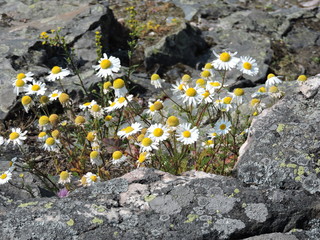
<point>128,129</point>
<point>214,134</point>
<point>201,82</point>
<point>158,105</point>
<point>208,66</point>
<point>35,87</point>
<point>273,89</point>
<point>302,78</point>
<point>43,120</point>
<point>20,83</point>
<point>209,142</point>
<point>44,99</point>
<point>94,154</point>
<point>107,85</point>
<point>90,136</point>
<point>270,75</point>
<point>142,157</point>
<point>247,65</point>
<point>118,83</point>
<point>64,175</point>
<point>255,101</point>
<point>54,95</point>
<point>186,134</point>
<point>140,137</point>
<point>225,57</point>
<point>50,141</point>
<point>206,94</point>
<point>25,100</point>
<point>205,74</point>
<point>83,180</point>
<point>238,92</point>
<point>95,108</point>
<point>3,176</point>
<point>152,108</point>
<point>56,70</point>
<point>42,134</point>
<point>146,142</point>
<point>227,100</point>
<point>21,76</point>
<point>180,87</point>
<point>63,98</point>
<point>105,63</point>
<point>14,135</point>
<point>117,155</point>
<point>262,89</point>
<point>53,118</point>
<point>112,104</point>
<point>158,132</point>
<point>186,78</point>
<point>55,133</point>
<point>173,121</point>
<point>121,99</point>
<point>155,77</point>
<point>79,120</point>
<point>191,92</point>
<point>222,127</point>
<point>86,104</point>
<point>215,84</point>
<point>108,118</point>
<point>93,178</point>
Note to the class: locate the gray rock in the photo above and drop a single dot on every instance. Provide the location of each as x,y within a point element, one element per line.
<point>108,209</point>
<point>287,138</point>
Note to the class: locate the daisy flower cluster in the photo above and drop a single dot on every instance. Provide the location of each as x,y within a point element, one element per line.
<point>197,125</point>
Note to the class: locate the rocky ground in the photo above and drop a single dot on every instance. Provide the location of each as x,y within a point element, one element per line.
<point>274,191</point>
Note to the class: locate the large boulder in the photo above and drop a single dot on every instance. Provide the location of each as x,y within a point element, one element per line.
<point>283,146</point>
<point>149,204</point>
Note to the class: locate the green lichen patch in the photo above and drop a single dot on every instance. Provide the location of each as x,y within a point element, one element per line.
<point>97,220</point>
<point>70,223</point>
<point>149,198</point>
<point>280,127</point>
<point>48,205</point>
<point>191,218</point>
<point>28,204</point>
<point>99,208</point>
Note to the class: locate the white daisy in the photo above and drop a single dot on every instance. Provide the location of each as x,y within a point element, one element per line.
<point>154,107</point>
<point>26,77</point>
<point>178,87</point>
<point>91,178</point>
<point>87,105</point>
<point>107,87</point>
<point>143,157</point>
<point>123,101</point>
<point>272,80</point>
<point>158,132</point>
<point>172,123</point>
<point>192,95</point>
<point>213,86</point>
<point>119,87</point>
<point>147,145</point>
<point>222,127</point>
<point>186,135</point>
<point>19,86</point>
<point>201,83</point>
<point>224,104</point>
<point>237,96</point>
<point>95,158</point>
<point>51,145</point>
<point>43,100</point>
<point>130,130</point>
<point>57,73</point>
<point>208,67</point>
<point>274,92</point>
<point>97,111</point>
<point>208,144</point>
<point>5,177</point>
<point>225,61</point>
<point>44,123</point>
<point>156,80</point>
<point>112,106</point>
<point>118,158</point>
<point>38,88</point>
<point>42,136</point>
<point>64,177</point>
<point>27,102</point>
<point>54,95</point>
<point>207,97</point>
<point>2,141</point>
<point>17,136</point>
<point>107,66</point>
<point>262,92</point>
<point>212,133</point>
<point>107,120</point>
<point>248,65</point>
